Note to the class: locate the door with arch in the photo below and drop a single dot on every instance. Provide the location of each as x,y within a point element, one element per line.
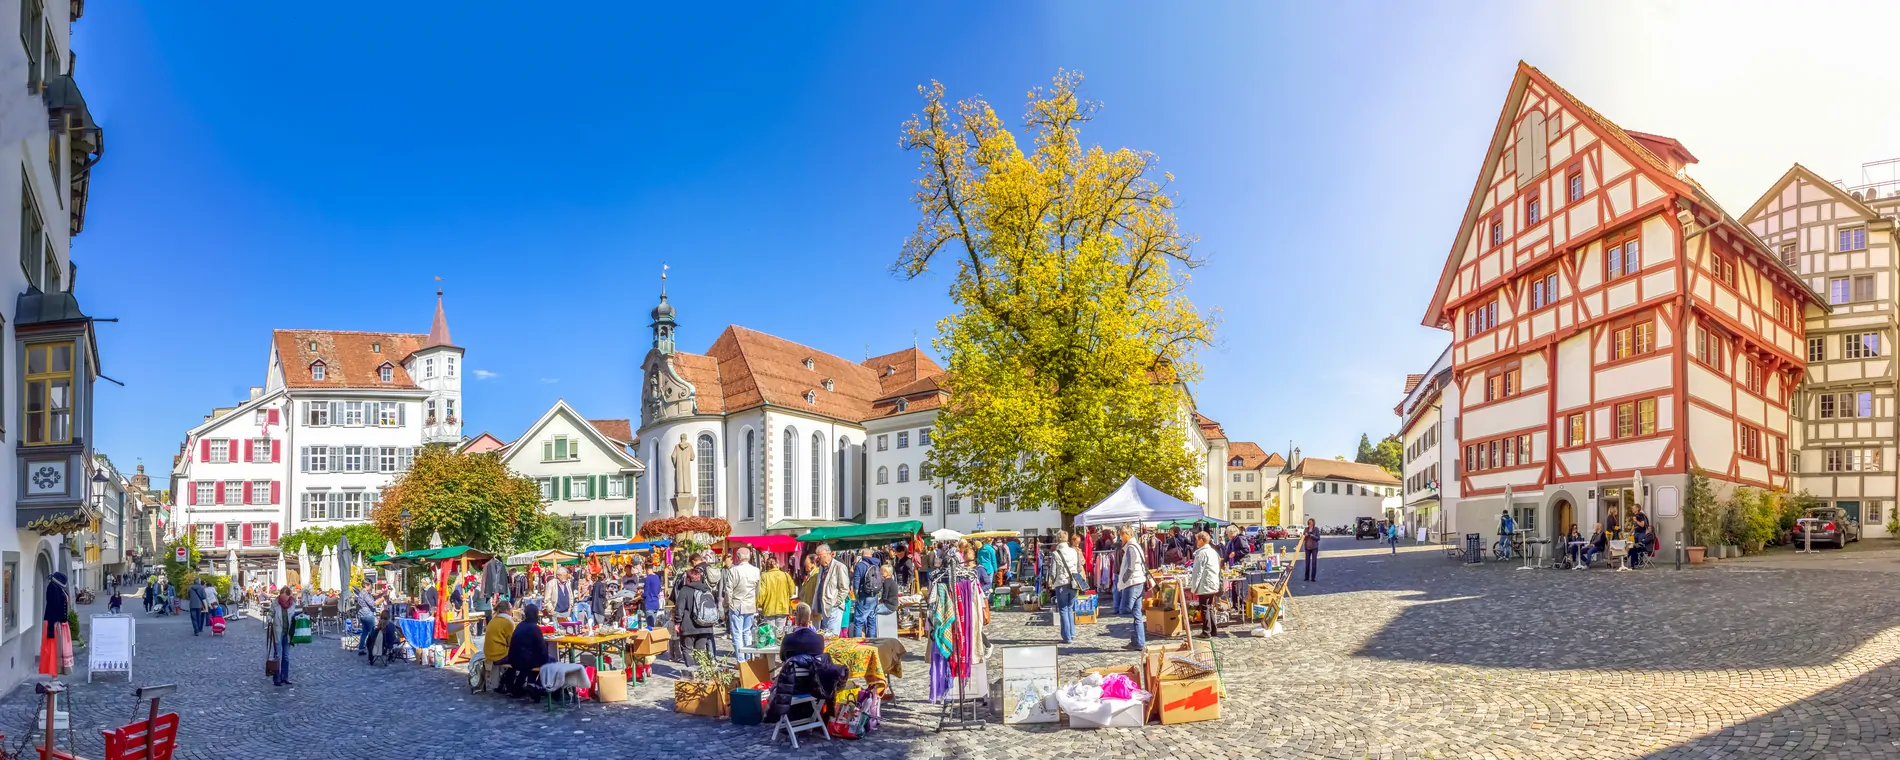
<point>1565,513</point>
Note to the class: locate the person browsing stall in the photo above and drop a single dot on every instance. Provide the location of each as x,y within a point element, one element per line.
<point>1130,584</point>
<point>1204,579</point>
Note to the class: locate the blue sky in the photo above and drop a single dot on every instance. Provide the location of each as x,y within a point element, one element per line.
<point>285,166</point>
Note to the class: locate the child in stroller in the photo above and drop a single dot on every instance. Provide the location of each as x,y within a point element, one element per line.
<point>217,620</point>
<point>385,638</point>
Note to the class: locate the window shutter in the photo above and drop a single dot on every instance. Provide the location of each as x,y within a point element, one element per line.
<point>276,451</point>
<point>273,534</point>
<point>593,527</point>
<point>204,450</point>
<point>246,527</point>
<point>402,414</point>
<point>217,492</point>
<point>305,415</point>
<point>247,493</point>
<point>626,528</point>
<point>191,492</point>
<point>246,443</point>
<point>270,418</point>
<point>336,412</point>
<point>567,489</point>
<point>274,485</point>
<point>547,451</point>
<point>303,454</point>
<point>217,534</point>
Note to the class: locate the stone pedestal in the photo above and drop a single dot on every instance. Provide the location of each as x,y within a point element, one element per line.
<point>685,506</point>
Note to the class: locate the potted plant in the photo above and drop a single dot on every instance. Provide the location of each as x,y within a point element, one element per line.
<point>1699,518</point>
<point>708,691</point>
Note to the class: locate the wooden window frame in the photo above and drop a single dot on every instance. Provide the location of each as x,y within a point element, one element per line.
<point>1709,341</point>
<point>39,381</point>
<point>1855,345</point>
<point>1578,433</point>
<point>1621,241</point>
<point>1871,293</point>
<point>1573,183</point>
<point>1817,344</point>
<point>1748,443</point>
<point>1533,206</point>
<point>1497,229</point>
<point>1858,235</point>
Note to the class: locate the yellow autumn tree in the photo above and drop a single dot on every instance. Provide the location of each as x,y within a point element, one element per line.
<point>1072,340</point>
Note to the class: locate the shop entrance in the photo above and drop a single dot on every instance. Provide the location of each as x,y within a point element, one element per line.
<point>1566,515</point>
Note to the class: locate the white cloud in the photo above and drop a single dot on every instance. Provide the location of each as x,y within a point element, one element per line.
<point>550,380</point>
<point>482,374</point>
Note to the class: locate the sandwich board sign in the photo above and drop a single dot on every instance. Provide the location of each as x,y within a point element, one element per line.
<point>111,646</point>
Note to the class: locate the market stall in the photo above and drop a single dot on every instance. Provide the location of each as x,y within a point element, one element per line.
<point>1138,502</point>
<point>855,536</point>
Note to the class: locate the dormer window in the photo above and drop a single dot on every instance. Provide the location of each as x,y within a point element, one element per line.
<point>903,405</point>
<point>889,370</point>
<point>811,397</point>
<point>316,370</point>
<point>829,385</point>
<point>1235,462</point>
<point>810,363</point>
<point>387,372</point>
<point>313,345</point>
<point>376,348</point>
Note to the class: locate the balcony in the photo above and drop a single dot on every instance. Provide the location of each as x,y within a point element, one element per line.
<point>67,112</point>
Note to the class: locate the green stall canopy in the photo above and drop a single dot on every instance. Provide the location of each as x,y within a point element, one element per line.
<point>859,535</point>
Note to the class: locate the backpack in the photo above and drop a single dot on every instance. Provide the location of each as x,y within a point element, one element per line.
<point>705,609</point>
<point>871,586</point>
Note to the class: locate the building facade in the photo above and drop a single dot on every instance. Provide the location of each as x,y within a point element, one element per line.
<point>339,416</point>
<point>1428,417</point>
<point>52,359</point>
<point>775,431</point>
<point>1840,241</point>
<point>1334,492</point>
<point>1251,471</point>
<point>586,470</point>
<point>1611,326</point>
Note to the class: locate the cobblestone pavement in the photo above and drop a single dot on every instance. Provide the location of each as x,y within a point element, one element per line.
<point>1407,656</point>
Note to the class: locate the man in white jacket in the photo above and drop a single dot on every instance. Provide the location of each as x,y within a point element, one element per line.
<point>1204,579</point>
<point>741,591</point>
<point>1064,568</point>
<point>1131,582</point>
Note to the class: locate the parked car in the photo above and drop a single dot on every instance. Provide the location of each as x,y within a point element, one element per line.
<point>1275,532</point>
<point>1831,525</point>
<point>1367,527</point>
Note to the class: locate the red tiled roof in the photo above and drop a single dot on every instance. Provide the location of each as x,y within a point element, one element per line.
<point>482,444</point>
<point>898,370</point>
<point>1340,470</point>
<point>1250,453</point>
<point>439,327</point>
<point>746,368</point>
<point>1275,460</point>
<point>1209,428</point>
<point>350,359</point>
<point>1412,381</point>
<point>703,372</point>
<point>616,430</point>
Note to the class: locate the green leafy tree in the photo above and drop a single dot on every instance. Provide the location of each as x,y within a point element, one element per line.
<point>1700,512</point>
<point>181,573</point>
<point>1390,454</point>
<point>472,500</point>
<point>552,532</point>
<point>364,537</point>
<point>1072,336</point>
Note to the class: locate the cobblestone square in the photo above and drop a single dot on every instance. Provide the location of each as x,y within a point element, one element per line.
<point>1406,656</point>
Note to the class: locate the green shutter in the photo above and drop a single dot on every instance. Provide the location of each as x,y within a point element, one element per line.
<point>600,486</point>
<point>626,528</point>
<point>594,528</point>
<point>567,489</point>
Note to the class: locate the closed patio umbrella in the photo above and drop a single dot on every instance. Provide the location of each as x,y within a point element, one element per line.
<point>282,573</point>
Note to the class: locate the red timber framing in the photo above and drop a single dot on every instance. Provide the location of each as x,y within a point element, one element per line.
<point>1667,279</point>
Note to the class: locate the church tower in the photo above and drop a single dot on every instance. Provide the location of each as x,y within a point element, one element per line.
<point>663,323</point>
<point>437,368</point>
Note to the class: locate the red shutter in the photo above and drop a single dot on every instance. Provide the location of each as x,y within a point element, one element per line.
<point>247,535</point>
<point>273,534</point>
<point>272,418</point>
<point>247,449</point>
<point>217,533</point>
<point>247,492</point>
<point>276,451</point>
<point>204,450</point>
<point>191,493</point>
<point>273,492</point>
<point>217,492</point>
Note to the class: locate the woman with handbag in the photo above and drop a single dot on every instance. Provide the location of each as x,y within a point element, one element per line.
<point>280,616</point>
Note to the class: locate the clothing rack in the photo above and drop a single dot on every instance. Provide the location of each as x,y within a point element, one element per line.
<point>961,711</point>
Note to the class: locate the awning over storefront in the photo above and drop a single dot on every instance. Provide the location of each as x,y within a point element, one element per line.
<point>778,543</point>
<point>638,546</point>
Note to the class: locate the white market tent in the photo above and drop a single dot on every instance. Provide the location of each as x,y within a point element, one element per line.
<point>1136,501</point>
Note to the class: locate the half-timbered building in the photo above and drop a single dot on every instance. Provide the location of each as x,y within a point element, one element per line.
<point>1612,327</point>
<point>1841,243</point>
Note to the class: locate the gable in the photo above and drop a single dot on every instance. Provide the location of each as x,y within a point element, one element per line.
<point>562,420</point>
<point>1801,198</point>
<point>1543,134</point>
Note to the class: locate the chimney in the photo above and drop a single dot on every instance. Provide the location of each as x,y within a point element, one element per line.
<point>257,391</point>
<point>1295,461</point>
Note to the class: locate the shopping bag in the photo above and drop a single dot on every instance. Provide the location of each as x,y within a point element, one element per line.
<point>300,630</point>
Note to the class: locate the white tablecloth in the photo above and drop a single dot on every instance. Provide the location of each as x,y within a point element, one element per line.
<point>559,675</point>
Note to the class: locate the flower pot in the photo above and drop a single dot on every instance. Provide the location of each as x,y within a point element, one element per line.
<point>1731,551</point>
<point>1712,551</point>
<point>1696,554</point>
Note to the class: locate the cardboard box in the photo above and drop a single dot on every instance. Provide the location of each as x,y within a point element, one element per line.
<point>1115,713</point>
<point>1085,618</point>
<point>613,685</point>
<point>1189,700</point>
<point>651,643</point>
<point>1165,623</point>
<point>754,672</point>
<point>700,698</point>
<point>1131,671</point>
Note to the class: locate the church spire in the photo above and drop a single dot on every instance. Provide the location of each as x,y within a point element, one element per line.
<point>438,329</point>
<point>663,322</point>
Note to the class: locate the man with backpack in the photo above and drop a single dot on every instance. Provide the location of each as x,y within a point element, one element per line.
<point>867,584</point>
<point>696,612</point>
<point>195,600</point>
<point>1061,573</point>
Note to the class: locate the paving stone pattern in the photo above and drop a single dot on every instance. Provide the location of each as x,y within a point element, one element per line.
<point>1407,656</point>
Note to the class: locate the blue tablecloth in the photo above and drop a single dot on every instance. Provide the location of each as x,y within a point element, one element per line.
<point>419,633</point>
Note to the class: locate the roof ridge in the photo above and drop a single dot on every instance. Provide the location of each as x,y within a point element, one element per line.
<point>275,331</point>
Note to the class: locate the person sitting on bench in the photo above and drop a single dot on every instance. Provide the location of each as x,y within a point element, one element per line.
<point>527,652</point>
